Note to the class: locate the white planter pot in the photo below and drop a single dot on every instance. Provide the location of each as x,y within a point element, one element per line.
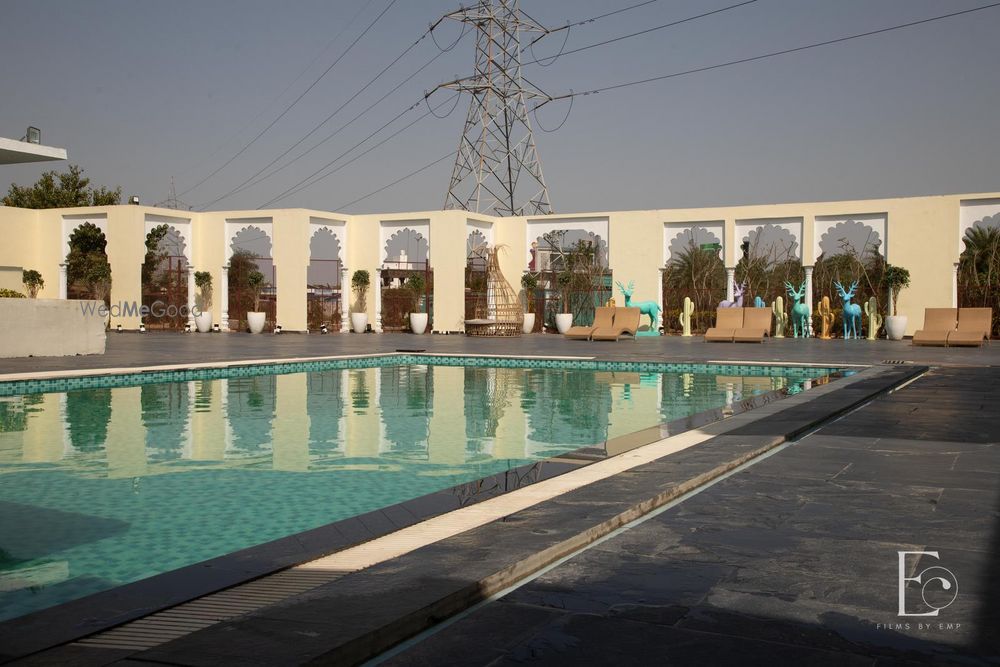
<point>359,322</point>
<point>418,322</point>
<point>895,327</point>
<point>563,322</point>
<point>529,323</point>
<point>255,321</point>
<point>203,322</point>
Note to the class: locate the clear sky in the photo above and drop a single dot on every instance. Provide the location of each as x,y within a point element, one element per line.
<point>138,92</point>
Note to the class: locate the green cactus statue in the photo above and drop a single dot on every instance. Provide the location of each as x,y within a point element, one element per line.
<point>780,317</point>
<point>874,318</point>
<point>685,316</point>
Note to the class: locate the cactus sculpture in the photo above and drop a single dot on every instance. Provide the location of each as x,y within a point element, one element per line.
<point>826,318</point>
<point>780,317</point>
<point>874,319</point>
<point>685,316</point>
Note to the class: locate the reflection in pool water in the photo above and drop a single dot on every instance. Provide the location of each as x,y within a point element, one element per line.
<point>102,487</point>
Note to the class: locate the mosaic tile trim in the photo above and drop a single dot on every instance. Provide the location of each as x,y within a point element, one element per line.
<point>19,387</point>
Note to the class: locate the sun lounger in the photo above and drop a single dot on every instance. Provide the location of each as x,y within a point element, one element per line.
<point>974,325</point>
<point>626,322</point>
<point>604,317</point>
<point>756,325</point>
<point>938,323</point>
<point>727,321</point>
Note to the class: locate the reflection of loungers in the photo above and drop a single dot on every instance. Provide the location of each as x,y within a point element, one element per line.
<point>974,325</point>
<point>938,323</point>
<point>626,321</point>
<point>727,321</point>
<point>34,576</point>
<point>603,317</point>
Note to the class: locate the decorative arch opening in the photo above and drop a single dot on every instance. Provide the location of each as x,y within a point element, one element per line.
<point>979,268</point>
<point>849,251</point>
<point>573,275</point>
<point>476,248</point>
<point>770,258</point>
<point>88,272</point>
<point>850,237</point>
<point>695,269</point>
<point>324,292</point>
<point>164,277</point>
<point>407,279</point>
<point>251,252</point>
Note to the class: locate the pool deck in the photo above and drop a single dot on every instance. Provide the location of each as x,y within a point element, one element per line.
<point>791,554</point>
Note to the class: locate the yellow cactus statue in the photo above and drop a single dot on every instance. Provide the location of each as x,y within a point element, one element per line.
<point>780,317</point>
<point>685,316</point>
<point>874,319</point>
<point>826,318</point>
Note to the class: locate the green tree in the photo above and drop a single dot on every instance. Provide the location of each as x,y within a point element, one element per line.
<point>87,268</point>
<point>55,190</point>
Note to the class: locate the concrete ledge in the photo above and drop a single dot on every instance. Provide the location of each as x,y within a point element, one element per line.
<point>50,328</point>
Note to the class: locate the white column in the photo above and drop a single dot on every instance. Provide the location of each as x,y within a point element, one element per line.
<point>190,297</point>
<point>954,287</point>
<point>809,294</point>
<point>224,298</point>
<point>378,300</point>
<point>345,302</point>
<point>62,281</point>
<point>730,279</point>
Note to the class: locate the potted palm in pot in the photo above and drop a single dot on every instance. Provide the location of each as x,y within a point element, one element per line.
<point>897,278</point>
<point>360,282</point>
<point>256,318</point>
<point>203,318</point>
<point>564,319</point>
<point>529,282</point>
<point>32,282</point>
<point>418,319</point>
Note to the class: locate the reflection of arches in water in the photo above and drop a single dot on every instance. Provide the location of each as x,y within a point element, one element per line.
<point>566,407</point>
<point>88,413</point>
<point>324,405</point>
<point>406,245</point>
<point>250,410</point>
<point>486,399</point>
<point>693,237</point>
<point>549,247</point>
<point>165,412</point>
<point>770,242</point>
<point>850,234</point>
<point>405,401</point>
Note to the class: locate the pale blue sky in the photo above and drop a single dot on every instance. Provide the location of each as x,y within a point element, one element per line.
<point>138,92</point>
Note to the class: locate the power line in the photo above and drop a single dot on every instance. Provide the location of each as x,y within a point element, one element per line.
<point>767,55</point>
<point>296,100</point>
<point>575,24</point>
<point>397,181</point>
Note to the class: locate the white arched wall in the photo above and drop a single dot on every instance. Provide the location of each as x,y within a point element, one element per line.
<point>540,226</point>
<point>970,213</point>
<point>69,225</point>
<point>876,222</point>
<point>388,229</point>
<point>791,225</point>
<point>339,229</point>
<point>673,231</point>
<point>233,227</point>
<point>481,226</point>
<point>183,227</point>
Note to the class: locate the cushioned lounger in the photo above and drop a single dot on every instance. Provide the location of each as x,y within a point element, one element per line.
<point>603,317</point>
<point>974,326</point>
<point>938,323</point>
<point>626,322</point>
<point>727,321</point>
<point>756,325</point>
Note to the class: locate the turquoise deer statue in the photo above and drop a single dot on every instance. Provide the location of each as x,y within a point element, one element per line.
<point>851,312</point>
<point>650,308</point>
<point>800,311</point>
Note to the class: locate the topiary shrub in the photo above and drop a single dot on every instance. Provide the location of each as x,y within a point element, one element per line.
<point>10,294</point>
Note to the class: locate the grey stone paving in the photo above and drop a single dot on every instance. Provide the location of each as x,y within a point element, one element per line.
<point>130,349</point>
<point>792,561</point>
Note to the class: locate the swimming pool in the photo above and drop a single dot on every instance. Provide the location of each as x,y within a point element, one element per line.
<point>113,479</point>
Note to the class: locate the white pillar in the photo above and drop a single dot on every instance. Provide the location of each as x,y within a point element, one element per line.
<point>809,295</point>
<point>62,281</point>
<point>224,299</point>
<point>730,279</point>
<point>345,302</point>
<point>954,287</point>
<point>190,297</point>
<point>378,300</point>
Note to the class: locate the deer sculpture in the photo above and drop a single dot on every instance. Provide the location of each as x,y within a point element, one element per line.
<point>650,308</point>
<point>851,312</point>
<point>759,302</point>
<point>800,311</point>
<point>738,301</point>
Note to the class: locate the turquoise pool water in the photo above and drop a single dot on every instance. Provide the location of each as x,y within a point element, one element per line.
<point>111,484</point>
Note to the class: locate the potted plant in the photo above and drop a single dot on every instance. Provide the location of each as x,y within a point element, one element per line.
<point>255,318</point>
<point>203,316</point>
<point>529,282</point>
<point>418,319</point>
<point>896,278</point>
<point>32,282</point>
<point>359,314</point>
<point>564,319</point>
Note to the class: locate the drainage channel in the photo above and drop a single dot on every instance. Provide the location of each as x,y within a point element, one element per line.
<point>416,639</point>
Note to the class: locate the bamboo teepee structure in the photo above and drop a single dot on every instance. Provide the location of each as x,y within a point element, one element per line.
<point>498,312</point>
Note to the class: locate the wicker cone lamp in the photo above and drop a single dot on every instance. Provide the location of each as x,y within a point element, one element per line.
<point>499,313</point>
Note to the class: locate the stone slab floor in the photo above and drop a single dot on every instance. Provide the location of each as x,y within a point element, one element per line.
<point>794,560</point>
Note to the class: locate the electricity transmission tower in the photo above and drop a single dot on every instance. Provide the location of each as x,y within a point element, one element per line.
<point>497,169</point>
<point>172,201</point>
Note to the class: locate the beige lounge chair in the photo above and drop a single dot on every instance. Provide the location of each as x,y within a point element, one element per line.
<point>938,323</point>
<point>727,321</point>
<point>756,325</point>
<point>604,317</point>
<point>626,322</point>
<point>974,325</point>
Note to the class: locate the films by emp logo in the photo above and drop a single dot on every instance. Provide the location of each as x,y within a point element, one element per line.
<point>924,594</point>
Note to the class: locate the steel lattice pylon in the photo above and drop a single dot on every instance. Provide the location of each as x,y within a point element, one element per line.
<point>497,169</point>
